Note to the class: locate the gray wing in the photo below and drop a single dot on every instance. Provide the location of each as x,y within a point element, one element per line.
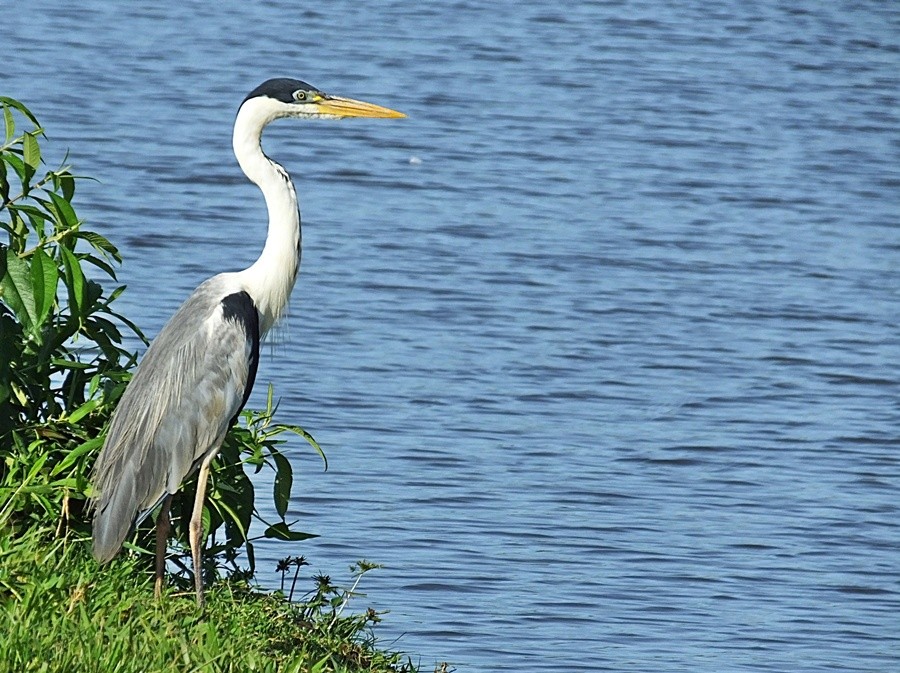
<point>185,394</point>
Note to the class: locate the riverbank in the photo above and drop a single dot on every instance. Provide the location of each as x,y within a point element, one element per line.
<point>62,612</point>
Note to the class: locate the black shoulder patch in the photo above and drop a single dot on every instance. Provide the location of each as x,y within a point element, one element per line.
<point>239,308</point>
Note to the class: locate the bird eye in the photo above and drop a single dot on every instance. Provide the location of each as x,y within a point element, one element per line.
<point>300,95</point>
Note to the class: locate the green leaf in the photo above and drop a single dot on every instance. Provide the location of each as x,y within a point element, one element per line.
<point>97,325</point>
<point>20,169</point>
<point>284,480</point>
<point>74,282</point>
<point>100,243</point>
<point>10,123</point>
<point>83,411</point>
<point>18,231</point>
<point>44,279</point>
<point>251,555</point>
<point>225,508</point>
<point>76,453</point>
<point>100,264</point>
<point>92,292</point>
<point>12,102</point>
<point>69,364</point>
<point>16,292</point>
<point>64,181</point>
<point>297,430</point>
<point>67,185</point>
<point>64,211</point>
<point>205,520</point>
<point>115,294</point>
<point>4,186</point>
<point>130,325</point>
<point>33,212</point>
<point>281,531</point>
<point>31,151</point>
<point>31,155</point>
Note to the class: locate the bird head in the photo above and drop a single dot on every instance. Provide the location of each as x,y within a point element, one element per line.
<point>285,97</point>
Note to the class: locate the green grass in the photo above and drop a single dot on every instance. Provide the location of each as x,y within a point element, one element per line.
<point>62,612</point>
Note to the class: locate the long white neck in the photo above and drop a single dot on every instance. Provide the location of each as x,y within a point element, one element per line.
<point>270,279</point>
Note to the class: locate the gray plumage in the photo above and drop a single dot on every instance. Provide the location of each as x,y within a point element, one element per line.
<point>192,382</point>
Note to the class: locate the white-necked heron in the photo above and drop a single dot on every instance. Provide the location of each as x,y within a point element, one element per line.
<point>197,374</point>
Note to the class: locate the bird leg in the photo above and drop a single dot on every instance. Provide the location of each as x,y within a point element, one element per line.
<point>162,539</point>
<point>196,526</point>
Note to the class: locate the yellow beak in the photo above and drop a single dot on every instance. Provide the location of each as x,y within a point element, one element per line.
<point>347,107</point>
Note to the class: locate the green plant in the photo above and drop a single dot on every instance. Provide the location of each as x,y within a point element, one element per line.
<point>63,367</point>
<point>62,363</point>
<point>59,614</point>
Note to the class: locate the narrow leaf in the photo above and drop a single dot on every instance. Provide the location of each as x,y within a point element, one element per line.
<point>251,556</point>
<point>20,169</point>
<point>31,151</point>
<point>97,324</point>
<point>134,328</point>
<point>100,264</point>
<point>234,516</point>
<point>31,155</point>
<point>284,480</point>
<point>9,122</point>
<point>74,282</point>
<point>16,292</point>
<point>100,243</point>
<point>44,279</point>
<point>64,211</point>
<point>83,411</point>
<point>206,519</point>
<point>69,364</point>
<point>67,185</point>
<point>281,531</point>
<point>4,186</point>
<point>297,430</point>
<point>75,454</point>
<point>12,102</point>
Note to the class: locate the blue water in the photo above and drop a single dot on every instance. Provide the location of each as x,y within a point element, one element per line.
<point>601,341</point>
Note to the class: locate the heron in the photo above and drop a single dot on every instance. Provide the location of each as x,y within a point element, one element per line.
<point>197,374</point>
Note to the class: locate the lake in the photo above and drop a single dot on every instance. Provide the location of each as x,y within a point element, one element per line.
<point>601,342</point>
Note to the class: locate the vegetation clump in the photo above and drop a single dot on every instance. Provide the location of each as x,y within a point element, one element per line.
<point>63,367</point>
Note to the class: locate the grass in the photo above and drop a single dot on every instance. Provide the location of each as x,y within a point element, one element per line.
<point>62,612</point>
